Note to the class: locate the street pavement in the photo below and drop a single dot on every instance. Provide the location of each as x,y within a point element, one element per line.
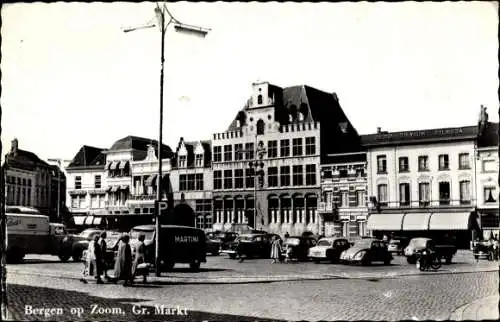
<point>256,289</point>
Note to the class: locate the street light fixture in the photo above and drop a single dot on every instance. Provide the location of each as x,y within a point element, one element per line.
<point>163,14</point>
<point>59,162</point>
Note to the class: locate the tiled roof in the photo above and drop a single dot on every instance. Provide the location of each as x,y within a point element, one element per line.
<point>88,156</point>
<point>420,136</point>
<point>136,143</point>
<point>23,159</point>
<point>489,137</point>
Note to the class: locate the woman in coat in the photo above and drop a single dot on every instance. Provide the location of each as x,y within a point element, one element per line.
<point>140,258</point>
<point>275,249</point>
<point>123,263</point>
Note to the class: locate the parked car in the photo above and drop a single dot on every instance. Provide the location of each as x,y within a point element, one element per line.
<point>300,247</point>
<point>252,245</point>
<point>225,238</point>
<point>213,245</point>
<point>397,245</point>
<point>81,242</point>
<point>367,251</point>
<point>483,249</point>
<point>328,249</point>
<point>416,245</point>
<point>179,244</point>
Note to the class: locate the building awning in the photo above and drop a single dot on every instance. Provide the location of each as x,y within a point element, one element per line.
<point>77,192</point>
<point>113,165</point>
<point>79,220</point>
<point>88,220</point>
<point>123,165</point>
<point>416,221</point>
<point>115,188</point>
<point>151,180</point>
<point>449,221</point>
<point>385,222</point>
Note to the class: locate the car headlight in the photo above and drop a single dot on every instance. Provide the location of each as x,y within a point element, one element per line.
<point>359,255</point>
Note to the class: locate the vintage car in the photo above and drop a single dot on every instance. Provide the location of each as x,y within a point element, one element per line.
<point>367,251</point>
<point>416,245</point>
<point>483,249</point>
<point>81,242</point>
<point>328,249</point>
<point>222,238</point>
<point>251,245</point>
<point>397,245</point>
<point>178,244</point>
<point>299,245</point>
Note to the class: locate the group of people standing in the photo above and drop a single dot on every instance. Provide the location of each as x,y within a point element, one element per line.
<point>127,266</point>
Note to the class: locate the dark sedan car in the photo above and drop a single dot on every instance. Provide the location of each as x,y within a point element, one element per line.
<point>250,246</point>
<point>300,246</point>
<point>367,251</point>
<point>224,238</point>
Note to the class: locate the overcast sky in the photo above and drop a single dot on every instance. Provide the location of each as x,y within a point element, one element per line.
<point>70,76</point>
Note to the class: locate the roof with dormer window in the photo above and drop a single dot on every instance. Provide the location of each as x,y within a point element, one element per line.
<point>191,148</point>
<point>88,156</point>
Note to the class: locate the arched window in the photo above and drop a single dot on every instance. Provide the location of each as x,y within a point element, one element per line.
<point>259,99</point>
<point>260,127</point>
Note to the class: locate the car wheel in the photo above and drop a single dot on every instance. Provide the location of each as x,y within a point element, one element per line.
<point>216,253</point>
<point>448,260</point>
<point>316,261</point>
<point>15,255</point>
<point>64,257</point>
<point>411,260</point>
<point>194,266</point>
<point>365,262</point>
<point>387,262</point>
<point>232,256</point>
<point>169,266</point>
<point>77,255</point>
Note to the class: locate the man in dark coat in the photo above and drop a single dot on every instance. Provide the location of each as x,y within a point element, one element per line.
<point>104,248</point>
<point>98,259</point>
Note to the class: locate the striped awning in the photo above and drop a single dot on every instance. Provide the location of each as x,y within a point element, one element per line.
<point>123,165</point>
<point>151,181</point>
<point>385,222</point>
<point>114,165</point>
<point>416,221</point>
<point>449,221</point>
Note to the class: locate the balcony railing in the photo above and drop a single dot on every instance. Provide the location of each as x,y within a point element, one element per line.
<point>142,197</point>
<point>415,204</point>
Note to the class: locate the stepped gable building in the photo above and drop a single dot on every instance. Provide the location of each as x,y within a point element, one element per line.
<point>424,182</point>
<point>266,165</point>
<point>87,185</point>
<point>131,169</point>
<point>191,183</point>
<point>30,182</point>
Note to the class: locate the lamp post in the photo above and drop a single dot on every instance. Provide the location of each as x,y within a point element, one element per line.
<point>59,162</point>
<point>258,153</point>
<point>163,15</point>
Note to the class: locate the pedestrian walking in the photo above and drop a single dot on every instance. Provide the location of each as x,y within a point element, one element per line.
<point>104,248</point>
<point>139,266</point>
<point>288,254</point>
<point>123,263</point>
<point>275,249</point>
<point>92,261</point>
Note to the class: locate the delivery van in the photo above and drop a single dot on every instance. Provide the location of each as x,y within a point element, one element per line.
<point>28,232</point>
<point>178,244</point>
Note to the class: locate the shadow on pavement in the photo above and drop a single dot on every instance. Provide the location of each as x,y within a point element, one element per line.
<point>62,305</point>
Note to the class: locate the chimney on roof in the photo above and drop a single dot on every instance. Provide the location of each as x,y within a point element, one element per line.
<point>14,146</point>
<point>379,130</point>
